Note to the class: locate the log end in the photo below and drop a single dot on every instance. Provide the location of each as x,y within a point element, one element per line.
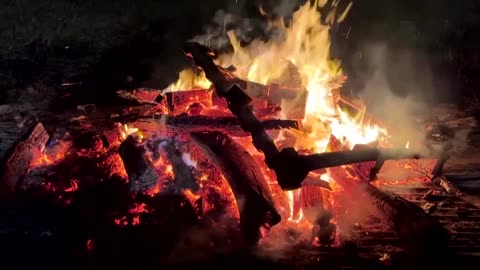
<point>20,156</point>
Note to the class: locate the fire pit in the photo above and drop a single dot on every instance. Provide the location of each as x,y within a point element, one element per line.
<point>244,154</point>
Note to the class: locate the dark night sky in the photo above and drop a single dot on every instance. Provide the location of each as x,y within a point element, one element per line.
<point>154,30</point>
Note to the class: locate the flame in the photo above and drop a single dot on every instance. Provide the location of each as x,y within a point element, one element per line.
<point>305,45</point>
<point>293,196</point>
<point>52,154</point>
<point>126,130</point>
<point>188,79</point>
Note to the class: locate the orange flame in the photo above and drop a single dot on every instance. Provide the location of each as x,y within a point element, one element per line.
<point>305,44</point>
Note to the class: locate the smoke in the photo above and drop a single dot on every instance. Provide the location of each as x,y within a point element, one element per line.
<point>399,89</point>
<point>383,102</point>
<point>247,25</point>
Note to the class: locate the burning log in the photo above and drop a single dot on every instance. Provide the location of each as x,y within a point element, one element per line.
<point>184,178</point>
<point>267,100</point>
<point>20,156</point>
<point>290,167</point>
<point>141,172</point>
<point>248,184</point>
<point>183,124</point>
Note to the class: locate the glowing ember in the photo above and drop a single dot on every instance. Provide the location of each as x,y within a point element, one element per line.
<point>73,187</point>
<point>89,244</point>
<point>135,213</point>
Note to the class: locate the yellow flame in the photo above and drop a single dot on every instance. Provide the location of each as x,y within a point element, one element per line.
<point>188,79</point>
<point>294,217</point>
<point>305,44</point>
<point>126,130</point>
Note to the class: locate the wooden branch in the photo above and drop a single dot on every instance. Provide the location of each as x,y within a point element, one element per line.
<point>20,156</point>
<point>248,184</point>
<point>141,172</point>
<point>450,188</point>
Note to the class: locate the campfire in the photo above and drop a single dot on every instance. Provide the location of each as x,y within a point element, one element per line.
<point>253,147</point>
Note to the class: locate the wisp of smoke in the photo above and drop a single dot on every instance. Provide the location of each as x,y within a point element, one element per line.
<point>246,28</point>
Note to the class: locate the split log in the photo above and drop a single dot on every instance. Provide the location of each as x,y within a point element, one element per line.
<point>141,172</point>
<point>184,124</point>
<point>19,157</point>
<point>248,184</point>
<point>184,178</point>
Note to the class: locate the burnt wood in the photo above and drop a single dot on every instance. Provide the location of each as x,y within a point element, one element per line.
<point>247,181</point>
<point>19,157</point>
<point>290,167</point>
<point>184,124</point>
<point>141,172</point>
<point>417,230</point>
<point>184,178</point>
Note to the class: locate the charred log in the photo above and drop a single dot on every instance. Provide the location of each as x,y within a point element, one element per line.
<point>141,172</point>
<point>417,230</point>
<point>184,178</point>
<point>183,124</point>
<point>248,184</point>
<point>19,157</point>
